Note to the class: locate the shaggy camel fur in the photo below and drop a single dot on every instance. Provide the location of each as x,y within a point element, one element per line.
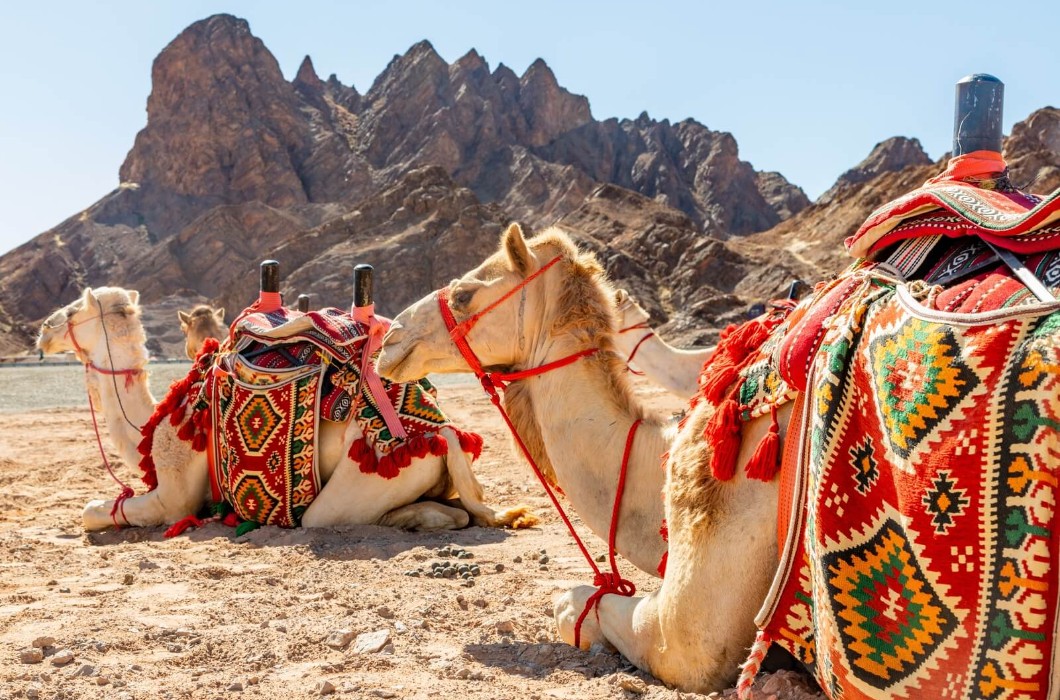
<point>694,631</point>
<point>674,369</point>
<point>201,323</point>
<point>103,327</point>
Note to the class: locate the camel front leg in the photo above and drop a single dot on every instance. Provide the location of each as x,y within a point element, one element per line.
<point>426,516</point>
<point>180,492</point>
<point>470,491</point>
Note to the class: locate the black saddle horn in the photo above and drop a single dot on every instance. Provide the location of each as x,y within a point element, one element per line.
<point>978,114</point>
<point>362,286</point>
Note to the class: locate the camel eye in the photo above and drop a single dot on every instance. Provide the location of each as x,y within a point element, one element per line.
<point>462,298</point>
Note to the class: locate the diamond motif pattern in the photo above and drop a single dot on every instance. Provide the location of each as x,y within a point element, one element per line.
<point>891,619</point>
<point>918,380</point>
<point>258,421</point>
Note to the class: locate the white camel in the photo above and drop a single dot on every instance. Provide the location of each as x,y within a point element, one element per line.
<point>695,630</point>
<point>674,369</point>
<point>103,327</point>
<point>201,323</point>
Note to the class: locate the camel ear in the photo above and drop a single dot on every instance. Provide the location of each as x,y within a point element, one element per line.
<point>219,314</point>
<point>185,319</point>
<point>87,297</point>
<point>515,246</point>
<point>134,297</point>
<point>620,296</point>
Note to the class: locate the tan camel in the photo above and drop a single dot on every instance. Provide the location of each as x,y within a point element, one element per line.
<point>103,327</point>
<point>201,323</point>
<point>674,369</point>
<point>695,630</point>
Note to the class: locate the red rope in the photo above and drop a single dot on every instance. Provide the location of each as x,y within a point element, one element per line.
<point>637,326</point>
<point>609,582</point>
<point>126,490</point>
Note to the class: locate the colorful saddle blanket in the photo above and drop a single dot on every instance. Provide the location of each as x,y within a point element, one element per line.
<point>923,557</point>
<point>276,377</point>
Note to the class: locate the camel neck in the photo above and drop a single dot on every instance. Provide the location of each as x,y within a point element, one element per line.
<point>583,424</point>
<point>673,369</point>
<point>125,405</point>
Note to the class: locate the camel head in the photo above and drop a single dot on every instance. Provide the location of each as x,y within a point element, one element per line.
<point>201,323</point>
<point>99,315</point>
<point>568,307</point>
<point>630,313</point>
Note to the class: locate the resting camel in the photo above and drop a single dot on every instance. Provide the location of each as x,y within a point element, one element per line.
<point>103,327</point>
<point>696,629</point>
<point>201,323</point>
<point>674,369</point>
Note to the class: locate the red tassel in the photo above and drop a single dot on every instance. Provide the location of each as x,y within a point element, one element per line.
<point>181,526</point>
<point>470,443</point>
<point>723,434</point>
<point>388,467</point>
<point>440,448</point>
<point>765,462</point>
<point>662,565</point>
<point>664,532</point>
<point>231,520</point>
<point>186,431</point>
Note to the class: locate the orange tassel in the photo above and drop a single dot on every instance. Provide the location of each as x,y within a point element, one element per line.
<point>765,462</point>
<point>723,433</point>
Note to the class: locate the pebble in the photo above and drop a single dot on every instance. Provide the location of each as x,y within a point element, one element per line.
<point>324,688</point>
<point>253,680</point>
<point>518,560</point>
<point>480,603</point>
<point>543,559</point>
<point>41,642</point>
<point>128,580</point>
<point>85,670</point>
<point>382,693</point>
<point>52,582</point>
<point>385,613</point>
<point>102,680</point>
<point>339,639</point>
<point>632,684</point>
<point>506,627</point>
<point>62,658</point>
<point>371,642</point>
<point>498,568</point>
<point>146,564</point>
<point>400,627</point>
<point>31,656</point>
<point>64,589</point>
<point>601,557</point>
<point>33,692</point>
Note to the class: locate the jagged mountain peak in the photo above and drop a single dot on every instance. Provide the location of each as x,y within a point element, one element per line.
<point>891,155</point>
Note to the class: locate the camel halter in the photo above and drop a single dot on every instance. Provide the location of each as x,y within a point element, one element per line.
<point>127,491</point>
<point>642,326</point>
<point>494,382</point>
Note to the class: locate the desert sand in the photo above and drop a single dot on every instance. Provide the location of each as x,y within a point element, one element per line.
<point>289,613</point>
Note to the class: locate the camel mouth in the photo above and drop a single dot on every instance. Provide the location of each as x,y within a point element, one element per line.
<point>390,363</point>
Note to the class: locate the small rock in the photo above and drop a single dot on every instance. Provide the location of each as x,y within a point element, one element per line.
<point>62,658</point>
<point>128,580</point>
<point>101,647</point>
<point>418,624</point>
<point>33,692</point>
<point>385,613</point>
<point>41,642</point>
<point>462,602</point>
<point>506,627</point>
<point>462,673</point>
<point>253,680</point>
<point>31,656</point>
<point>236,687</point>
<point>382,693</point>
<point>388,650</point>
<point>632,684</point>
<point>146,564</point>
<point>102,680</point>
<point>543,567</point>
<point>324,688</point>
<point>64,589</point>
<point>498,567</point>
<point>400,627</point>
<point>480,603</point>
<point>371,642</point>
<point>601,557</point>
<point>86,670</point>
<point>543,559</point>
<point>518,560</point>
<point>52,582</point>
<point>339,639</point>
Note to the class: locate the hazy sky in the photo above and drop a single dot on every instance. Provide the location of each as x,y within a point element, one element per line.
<point>807,88</point>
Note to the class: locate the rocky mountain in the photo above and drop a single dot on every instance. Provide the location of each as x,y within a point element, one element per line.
<point>417,176</point>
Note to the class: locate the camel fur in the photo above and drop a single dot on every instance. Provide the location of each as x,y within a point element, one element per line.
<point>105,324</point>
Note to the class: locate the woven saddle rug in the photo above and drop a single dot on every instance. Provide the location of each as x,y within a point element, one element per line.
<point>276,377</point>
<point>921,558</point>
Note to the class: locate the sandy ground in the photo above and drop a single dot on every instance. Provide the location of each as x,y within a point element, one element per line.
<point>287,613</point>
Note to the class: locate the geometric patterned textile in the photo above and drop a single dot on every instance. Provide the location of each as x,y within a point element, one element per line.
<point>276,376</point>
<point>924,558</point>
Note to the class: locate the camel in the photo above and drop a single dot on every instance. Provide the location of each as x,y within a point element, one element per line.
<point>674,369</point>
<point>575,421</point>
<point>103,328</point>
<point>201,323</point>
<point>696,629</point>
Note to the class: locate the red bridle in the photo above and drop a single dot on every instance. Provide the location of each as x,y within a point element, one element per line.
<point>643,325</point>
<point>493,383</point>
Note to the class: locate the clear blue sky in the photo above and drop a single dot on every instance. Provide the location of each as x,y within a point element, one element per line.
<point>807,88</point>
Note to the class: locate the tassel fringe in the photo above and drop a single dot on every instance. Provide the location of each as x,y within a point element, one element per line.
<point>390,465</point>
<point>765,462</point>
<point>723,433</point>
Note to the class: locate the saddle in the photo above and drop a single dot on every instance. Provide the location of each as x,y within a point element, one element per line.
<point>917,548</point>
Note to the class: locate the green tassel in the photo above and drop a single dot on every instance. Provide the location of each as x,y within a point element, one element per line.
<point>219,509</point>
<point>245,527</point>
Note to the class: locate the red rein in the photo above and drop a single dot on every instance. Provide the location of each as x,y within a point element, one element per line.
<point>606,582</point>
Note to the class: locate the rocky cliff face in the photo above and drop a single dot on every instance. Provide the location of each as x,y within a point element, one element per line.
<point>419,174</point>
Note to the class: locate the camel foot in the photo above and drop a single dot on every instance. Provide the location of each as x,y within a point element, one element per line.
<point>426,516</point>
<point>568,608</point>
<point>96,515</point>
<point>516,518</point>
